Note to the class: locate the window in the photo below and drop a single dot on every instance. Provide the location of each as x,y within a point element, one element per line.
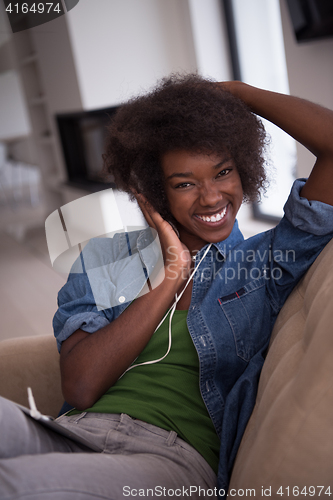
<point>258,58</point>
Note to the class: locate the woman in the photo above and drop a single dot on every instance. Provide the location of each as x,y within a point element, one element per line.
<point>191,152</point>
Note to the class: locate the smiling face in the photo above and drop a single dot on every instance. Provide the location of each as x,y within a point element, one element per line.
<point>204,193</point>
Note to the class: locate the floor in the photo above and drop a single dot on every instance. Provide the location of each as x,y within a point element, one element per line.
<point>28,285</point>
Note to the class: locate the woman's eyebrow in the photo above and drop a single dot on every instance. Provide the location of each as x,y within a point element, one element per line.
<point>221,163</point>
<point>190,174</point>
<point>180,174</point>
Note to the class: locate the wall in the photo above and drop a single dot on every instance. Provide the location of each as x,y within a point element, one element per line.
<point>56,63</point>
<point>4,33</point>
<point>61,88</point>
<point>210,39</point>
<point>13,108</point>
<point>310,71</point>
<point>14,120</point>
<point>122,47</point>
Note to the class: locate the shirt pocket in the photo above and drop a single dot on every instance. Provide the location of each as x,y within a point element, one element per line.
<point>247,311</point>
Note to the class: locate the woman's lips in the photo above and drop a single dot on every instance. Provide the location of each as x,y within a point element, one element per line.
<point>215,218</point>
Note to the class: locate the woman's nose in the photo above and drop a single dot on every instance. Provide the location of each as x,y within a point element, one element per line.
<point>210,196</point>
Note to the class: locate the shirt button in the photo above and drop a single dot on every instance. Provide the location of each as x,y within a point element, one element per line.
<point>121,299</point>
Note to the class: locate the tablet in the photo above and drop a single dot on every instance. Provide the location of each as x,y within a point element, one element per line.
<point>50,423</point>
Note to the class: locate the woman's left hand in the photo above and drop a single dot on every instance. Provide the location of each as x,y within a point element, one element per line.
<point>307,122</point>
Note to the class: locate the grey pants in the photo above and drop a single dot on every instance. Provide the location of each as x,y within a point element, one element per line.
<point>138,460</point>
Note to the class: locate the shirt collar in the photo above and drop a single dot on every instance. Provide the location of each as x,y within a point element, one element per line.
<point>234,238</point>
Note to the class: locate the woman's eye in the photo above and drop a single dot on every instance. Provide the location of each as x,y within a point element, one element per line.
<point>224,172</point>
<point>182,185</point>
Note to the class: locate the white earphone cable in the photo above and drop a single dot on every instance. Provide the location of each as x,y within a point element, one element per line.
<point>171,311</point>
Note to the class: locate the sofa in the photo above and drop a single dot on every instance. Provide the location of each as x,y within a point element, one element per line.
<point>287,448</point>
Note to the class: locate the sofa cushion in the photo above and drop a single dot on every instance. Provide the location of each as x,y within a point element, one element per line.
<point>289,438</point>
<point>31,362</point>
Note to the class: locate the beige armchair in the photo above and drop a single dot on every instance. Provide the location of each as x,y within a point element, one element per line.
<point>31,362</point>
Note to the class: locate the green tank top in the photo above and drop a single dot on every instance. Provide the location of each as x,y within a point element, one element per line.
<point>167,393</point>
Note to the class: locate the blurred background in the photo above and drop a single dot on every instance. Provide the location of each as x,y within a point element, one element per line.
<point>60,82</point>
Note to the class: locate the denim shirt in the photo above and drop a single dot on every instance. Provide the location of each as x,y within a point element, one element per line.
<point>238,291</point>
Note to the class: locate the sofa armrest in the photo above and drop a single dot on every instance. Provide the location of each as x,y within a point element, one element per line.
<point>31,362</point>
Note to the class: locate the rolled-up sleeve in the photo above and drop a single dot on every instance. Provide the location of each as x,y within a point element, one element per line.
<point>311,216</point>
<point>102,283</point>
<point>296,242</point>
<point>77,309</point>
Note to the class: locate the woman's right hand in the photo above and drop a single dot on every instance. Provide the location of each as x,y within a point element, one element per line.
<point>177,258</point>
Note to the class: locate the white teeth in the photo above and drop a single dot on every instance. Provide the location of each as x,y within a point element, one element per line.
<point>213,218</point>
